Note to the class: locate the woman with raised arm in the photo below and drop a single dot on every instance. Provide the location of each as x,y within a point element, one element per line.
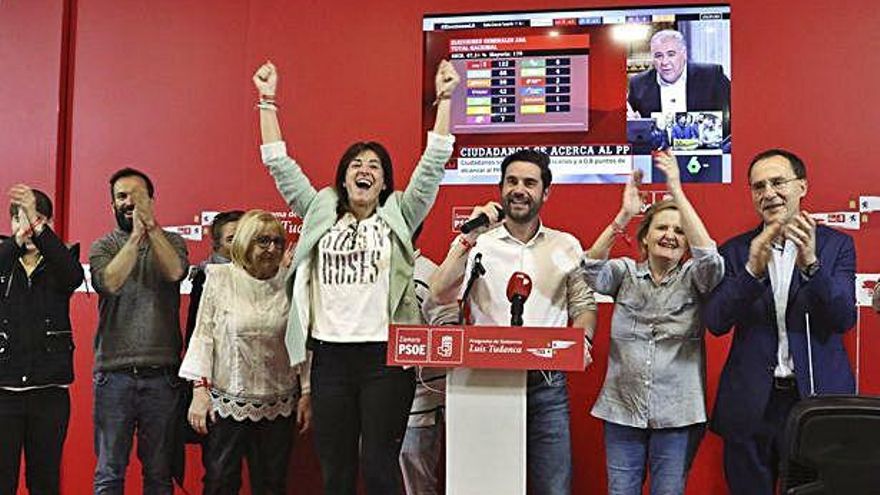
<point>653,399</point>
<point>353,277</point>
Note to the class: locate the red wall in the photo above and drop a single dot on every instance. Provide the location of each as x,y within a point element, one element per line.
<point>164,85</point>
<point>30,63</point>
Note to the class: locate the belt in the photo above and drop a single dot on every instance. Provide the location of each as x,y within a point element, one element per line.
<point>784,383</point>
<point>145,371</point>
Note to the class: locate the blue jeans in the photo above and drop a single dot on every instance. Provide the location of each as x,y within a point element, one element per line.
<point>548,442</point>
<point>420,457</point>
<point>667,451</point>
<point>126,402</point>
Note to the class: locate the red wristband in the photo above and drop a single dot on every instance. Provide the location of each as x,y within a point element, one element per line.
<point>466,243</point>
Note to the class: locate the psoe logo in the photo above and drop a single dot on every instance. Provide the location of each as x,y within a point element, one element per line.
<point>460,215</point>
<point>447,345</point>
<point>411,345</point>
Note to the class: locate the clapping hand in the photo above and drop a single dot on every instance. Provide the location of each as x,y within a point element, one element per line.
<point>23,196</point>
<point>801,230</point>
<point>632,201</point>
<point>27,217</point>
<point>760,249</point>
<point>143,209</point>
<point>668,164</point>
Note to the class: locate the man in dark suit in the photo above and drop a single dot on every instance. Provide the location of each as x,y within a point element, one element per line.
<point>676,85</point>
<point>789,291</point>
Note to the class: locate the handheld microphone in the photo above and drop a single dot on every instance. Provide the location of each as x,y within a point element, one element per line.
<point>518,289</point>
<point>480,220</point>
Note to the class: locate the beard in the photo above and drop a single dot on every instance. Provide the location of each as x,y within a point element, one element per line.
<point>124,223</point>
<point>534,206</point>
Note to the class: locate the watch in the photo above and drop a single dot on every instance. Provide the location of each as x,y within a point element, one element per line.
<point>811,269</point>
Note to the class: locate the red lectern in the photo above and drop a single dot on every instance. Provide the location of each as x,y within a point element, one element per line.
<point>486,394</point>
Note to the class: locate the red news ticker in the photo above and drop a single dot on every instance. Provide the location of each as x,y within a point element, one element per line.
<point>520,43</point>
<point>565,22</point>
<point>523,348</point>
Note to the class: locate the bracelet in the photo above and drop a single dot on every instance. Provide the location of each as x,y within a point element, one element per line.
<point>202,383</point>
<point>440,97</point>
<point>468,245</point>
<point>620,231</point>
<point>269,105</point>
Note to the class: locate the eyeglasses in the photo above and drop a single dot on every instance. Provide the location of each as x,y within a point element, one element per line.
<point>264,241</point>
<point>776,183</point>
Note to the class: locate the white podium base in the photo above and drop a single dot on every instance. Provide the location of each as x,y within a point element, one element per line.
<point>485,432</point>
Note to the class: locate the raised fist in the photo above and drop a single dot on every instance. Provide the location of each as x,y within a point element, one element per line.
<point>446,79</point>
<point>266,79</point>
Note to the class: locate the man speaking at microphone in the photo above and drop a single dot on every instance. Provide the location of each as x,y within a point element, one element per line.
<point>530,264</point>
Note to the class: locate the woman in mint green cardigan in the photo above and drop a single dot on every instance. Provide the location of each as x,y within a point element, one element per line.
<point>352,277</point>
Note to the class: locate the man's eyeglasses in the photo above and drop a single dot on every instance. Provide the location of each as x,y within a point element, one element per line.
<point>776,183</point>
<point>264,241</point>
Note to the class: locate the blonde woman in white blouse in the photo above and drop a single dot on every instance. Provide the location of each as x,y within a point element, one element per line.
<point>246,396</point>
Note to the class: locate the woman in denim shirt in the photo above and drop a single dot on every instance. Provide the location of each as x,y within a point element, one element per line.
<point>653,398</point>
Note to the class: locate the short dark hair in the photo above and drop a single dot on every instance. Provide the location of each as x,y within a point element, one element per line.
<point>44,205</point>
<point>220,220</point>
<point>539,158</point>
<point>353,151</point>
<point>130,172</point>
<point>797,165</point>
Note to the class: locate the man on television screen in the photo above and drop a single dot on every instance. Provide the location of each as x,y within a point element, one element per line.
<point>676,85</point>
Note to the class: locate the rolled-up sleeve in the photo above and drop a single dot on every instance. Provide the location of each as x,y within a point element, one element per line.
<point>580,295</point>
<point>604,276</point>
<point>707,269</point>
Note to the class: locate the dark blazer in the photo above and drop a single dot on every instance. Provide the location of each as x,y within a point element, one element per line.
<point>746,303</point>
<point>707,89</point>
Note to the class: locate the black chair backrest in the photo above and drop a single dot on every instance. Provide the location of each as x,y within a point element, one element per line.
<point>832,447</point>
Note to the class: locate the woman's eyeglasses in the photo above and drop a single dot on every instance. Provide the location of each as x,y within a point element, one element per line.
<point>264,241</point>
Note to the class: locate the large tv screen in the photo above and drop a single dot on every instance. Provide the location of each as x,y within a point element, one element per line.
<point>598,90</point>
